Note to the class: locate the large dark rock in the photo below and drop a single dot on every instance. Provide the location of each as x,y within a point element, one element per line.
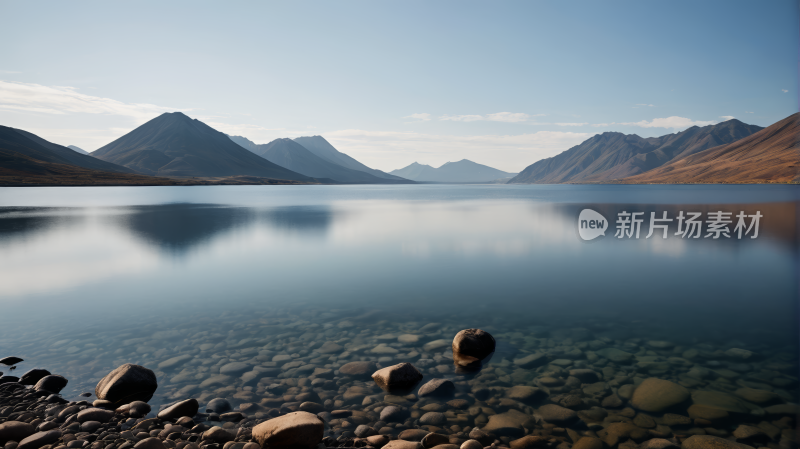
<point>127,383</point>
<point>15,431</point>
<point>400,376</point>
<point>10,361</point>
<point>52,383</point>
<point>189,408</point>
<point>39,439</point>
<point>295,430</point>
<point>474,343</point>
<point>33,376</point>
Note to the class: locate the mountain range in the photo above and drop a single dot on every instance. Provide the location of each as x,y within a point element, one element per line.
<point>27,144</point>
<point>173,149</point>
<point>27,159</point>
<point>290,154</point>
<point>173,144</point>
<point>463,171</point>
<point>612,155</point>
<point>769,155</point>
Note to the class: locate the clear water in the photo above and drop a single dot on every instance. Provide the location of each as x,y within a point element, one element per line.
<point>95,277</point>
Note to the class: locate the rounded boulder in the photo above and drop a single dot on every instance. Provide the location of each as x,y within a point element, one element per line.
<point>189,408</point>
<point>52,383</point>
<point>474,343</point>
<point>402,375</point>
<point>294,430</point>
<point>656,395</point>
<point>15,431</point>
<point>127,383</point>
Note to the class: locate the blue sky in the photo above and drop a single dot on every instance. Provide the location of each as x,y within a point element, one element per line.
<point>390,83</point>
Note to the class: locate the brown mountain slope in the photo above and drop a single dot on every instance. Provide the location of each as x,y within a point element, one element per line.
<point>613,155</point>
<point>771,155</point>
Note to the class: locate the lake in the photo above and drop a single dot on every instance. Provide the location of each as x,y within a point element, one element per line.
<point>289,283</point>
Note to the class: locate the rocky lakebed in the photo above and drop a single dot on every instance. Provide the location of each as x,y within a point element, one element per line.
<point>301,380</point>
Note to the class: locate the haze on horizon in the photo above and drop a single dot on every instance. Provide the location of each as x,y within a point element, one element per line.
<point>393,83</point>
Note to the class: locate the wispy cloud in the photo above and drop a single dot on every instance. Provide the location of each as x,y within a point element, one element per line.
<point>674,122</point>
<point>638,105</point>
<point>749,112</point>
<point>508,117</point>
<point>421,117</point>
<point>8,72</point>
<point>388,150</point>
<point>784,90</point>
<point>727,117</point>
<point>61,100</point>
<point>462,118</point>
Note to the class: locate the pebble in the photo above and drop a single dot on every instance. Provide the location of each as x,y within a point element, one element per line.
<point>402,375</point>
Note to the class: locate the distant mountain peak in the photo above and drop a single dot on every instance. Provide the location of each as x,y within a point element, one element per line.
<point>463,171</point>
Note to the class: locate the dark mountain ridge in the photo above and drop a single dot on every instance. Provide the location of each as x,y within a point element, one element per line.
<point>613,155</point>
<point>290,154</point>
<point>173,144</point>
<point>34,147</point>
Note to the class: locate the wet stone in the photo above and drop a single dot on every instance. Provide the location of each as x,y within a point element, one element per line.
<point>438,388</point>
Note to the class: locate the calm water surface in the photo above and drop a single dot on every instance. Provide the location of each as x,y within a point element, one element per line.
<point>94,277</point>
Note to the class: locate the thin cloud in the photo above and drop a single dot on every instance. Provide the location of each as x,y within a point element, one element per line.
<point>9,72</point>
<point>673,122</point>
<point>507,117</point>
<point>784,90</point>
<point>749,112</point>
<point>60,100</point>
<point>420,117</point>
<point>462,118</point>
<point>727,117</point>
<point>644,104</point>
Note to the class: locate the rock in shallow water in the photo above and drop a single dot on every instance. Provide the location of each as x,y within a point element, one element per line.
<point>711,442</point>
<point>218,405</point>
<point>474,343</point>
<point>358,369</point>
<point>437,387</point>
<point>52,383</point>
<point>127,383</point>
<point>402,375</point>
<point>33,376</point>
<point>656,395</point>
<point>295,430</point>
<point>392,414</point>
